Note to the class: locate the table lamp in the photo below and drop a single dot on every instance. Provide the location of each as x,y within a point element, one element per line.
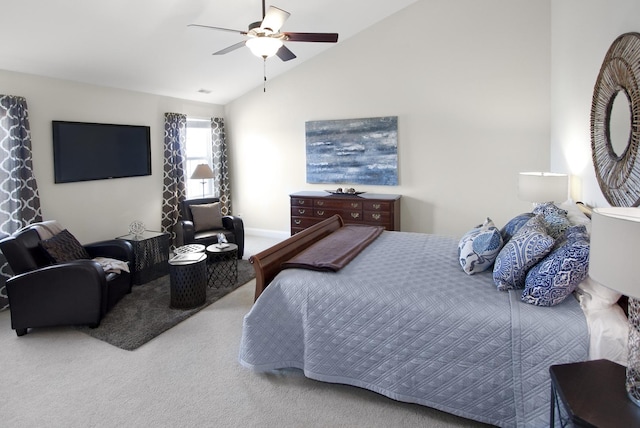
<point>202,172</point>
<point>540,187</point>
<point>615,233</point>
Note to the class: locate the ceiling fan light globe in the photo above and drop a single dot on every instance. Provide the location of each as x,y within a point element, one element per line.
<point>264,47</point>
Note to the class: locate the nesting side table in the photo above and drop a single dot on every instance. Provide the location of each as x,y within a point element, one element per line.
<point>188,276</point>
<point>222,265</point>
<point>151,253</point>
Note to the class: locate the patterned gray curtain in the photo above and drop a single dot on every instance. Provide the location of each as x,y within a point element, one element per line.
<point>220,164</point>
<point>173,189</point>
<point>19,200</point>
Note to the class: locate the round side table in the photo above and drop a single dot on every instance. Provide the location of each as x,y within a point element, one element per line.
<point>222,265</point>
<point>190,248</point>
<point>188,276</point>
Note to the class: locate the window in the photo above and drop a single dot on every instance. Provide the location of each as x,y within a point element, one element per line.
<point>197,151</point>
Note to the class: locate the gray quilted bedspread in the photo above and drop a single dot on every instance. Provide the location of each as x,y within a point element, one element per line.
<point>403,319</point>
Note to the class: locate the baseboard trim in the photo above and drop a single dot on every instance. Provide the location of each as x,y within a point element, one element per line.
<point>266,233</point>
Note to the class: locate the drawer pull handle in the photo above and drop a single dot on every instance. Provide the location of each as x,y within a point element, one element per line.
<point>376,216</point>
<point>320,212</point>
<point>297,222</point>
<point>300,202</point>
<point>320,203</point>
<point>355,215</point>
<point>376,206</point>
<point>301,211</point>
<point>354,205</point>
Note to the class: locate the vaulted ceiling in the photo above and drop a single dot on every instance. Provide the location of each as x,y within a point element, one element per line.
<point>146,46</point>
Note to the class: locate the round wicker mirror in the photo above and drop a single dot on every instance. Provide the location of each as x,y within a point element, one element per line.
<point>616,165</point>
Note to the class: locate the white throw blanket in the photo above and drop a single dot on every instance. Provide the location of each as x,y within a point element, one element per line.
<point>112,265</point>
<point>47,229</point>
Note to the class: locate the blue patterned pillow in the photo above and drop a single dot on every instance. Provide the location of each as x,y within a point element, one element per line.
<point>528,246</point>
<point>556,218</point>
<point>558,274</point>
<point>478,248</point>
<point>514,225</point>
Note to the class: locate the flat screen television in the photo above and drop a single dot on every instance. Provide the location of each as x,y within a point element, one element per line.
<point>97,151</point>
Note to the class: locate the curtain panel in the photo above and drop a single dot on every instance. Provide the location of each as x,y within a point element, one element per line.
<point>173,191</point>
<point>220,164</point>
<point>19,200</point>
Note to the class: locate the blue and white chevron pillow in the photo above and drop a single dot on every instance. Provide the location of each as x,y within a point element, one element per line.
<point>478,248</point>
<point>526,248</point>
<point>557,275</point>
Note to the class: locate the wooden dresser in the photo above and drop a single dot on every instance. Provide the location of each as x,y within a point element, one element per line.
<point>309,208</point>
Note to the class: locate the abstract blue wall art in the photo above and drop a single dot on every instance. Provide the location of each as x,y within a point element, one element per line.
<point>353,151</point>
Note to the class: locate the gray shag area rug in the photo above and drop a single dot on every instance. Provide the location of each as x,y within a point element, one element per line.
<point>145,313</point>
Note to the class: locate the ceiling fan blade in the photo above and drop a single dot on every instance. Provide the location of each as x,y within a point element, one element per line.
<point>274,18</point>
<point>312,37</point>
<point>285,54</point>
<point>218,28</point>
<point>230,48</point>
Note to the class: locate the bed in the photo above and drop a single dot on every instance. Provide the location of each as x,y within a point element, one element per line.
<point>402,319</point>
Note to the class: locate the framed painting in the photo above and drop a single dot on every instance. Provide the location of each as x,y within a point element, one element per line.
<point>353,151</point>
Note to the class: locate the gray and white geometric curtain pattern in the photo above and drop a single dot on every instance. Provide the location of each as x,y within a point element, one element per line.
<point>19,199</point>
<point>220,164</point>
<point>173,189</point>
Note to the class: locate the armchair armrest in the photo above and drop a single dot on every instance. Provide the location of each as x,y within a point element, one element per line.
<point>236,224</point>
<point>188,231</point>
<point>66,293</point>
<point>115,249</point>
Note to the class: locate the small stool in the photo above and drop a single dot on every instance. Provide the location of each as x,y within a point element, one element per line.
<point>222,265</point>
<point>188,275</point>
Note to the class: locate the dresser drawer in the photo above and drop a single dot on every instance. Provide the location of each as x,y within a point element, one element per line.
<point>347,216</point>
<point>376,217</point>
<point>303,222</point>
<point>342,204</point>
<point>301,202</point>
<point>377,206</point>
<point>302,211</point>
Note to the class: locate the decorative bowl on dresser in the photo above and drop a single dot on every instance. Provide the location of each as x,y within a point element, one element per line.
<point>311,207</point>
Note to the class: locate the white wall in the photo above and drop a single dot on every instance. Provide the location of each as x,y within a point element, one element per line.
<point>469,81</point>
<point>102,209</point>
<point>582,32</point>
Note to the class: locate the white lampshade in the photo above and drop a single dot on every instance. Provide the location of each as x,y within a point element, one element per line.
<point>538,187</point>
<point>615,238</point>
<point>202,172</point>
<point>264,47</point>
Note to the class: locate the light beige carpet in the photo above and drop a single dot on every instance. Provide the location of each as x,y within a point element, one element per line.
<point>186,377</point>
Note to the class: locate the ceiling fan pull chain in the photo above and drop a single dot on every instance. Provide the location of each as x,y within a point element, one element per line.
<point>264,73</point>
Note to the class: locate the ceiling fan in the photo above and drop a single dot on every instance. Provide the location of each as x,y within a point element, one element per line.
<point>265,39</point>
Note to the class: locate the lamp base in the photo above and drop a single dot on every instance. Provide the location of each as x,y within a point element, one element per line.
<point>633,358</point>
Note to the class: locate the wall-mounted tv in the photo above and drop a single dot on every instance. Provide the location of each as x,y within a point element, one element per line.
<point>98,151</point>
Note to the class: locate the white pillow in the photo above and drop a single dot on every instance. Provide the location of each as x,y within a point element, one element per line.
<point>593,296</point>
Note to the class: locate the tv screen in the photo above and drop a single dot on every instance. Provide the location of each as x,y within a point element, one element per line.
<point>98,151</point>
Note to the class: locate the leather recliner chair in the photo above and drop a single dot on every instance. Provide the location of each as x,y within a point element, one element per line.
<point>232,227</point>
<point>42,293</point>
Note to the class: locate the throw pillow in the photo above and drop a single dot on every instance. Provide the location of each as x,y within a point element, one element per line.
<point>478,248</point>
<point>556,218</point>
<point>206,216</point>
<point>514,225</point>
<point>527,247</point>
<point>64,247</point>
<point>556,276</point>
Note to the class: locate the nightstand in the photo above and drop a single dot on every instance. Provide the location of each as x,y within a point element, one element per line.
<point>591,394</point>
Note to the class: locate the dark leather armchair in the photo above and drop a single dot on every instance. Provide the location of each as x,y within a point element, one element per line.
<point>232,227</point>
<point>43,294</point>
